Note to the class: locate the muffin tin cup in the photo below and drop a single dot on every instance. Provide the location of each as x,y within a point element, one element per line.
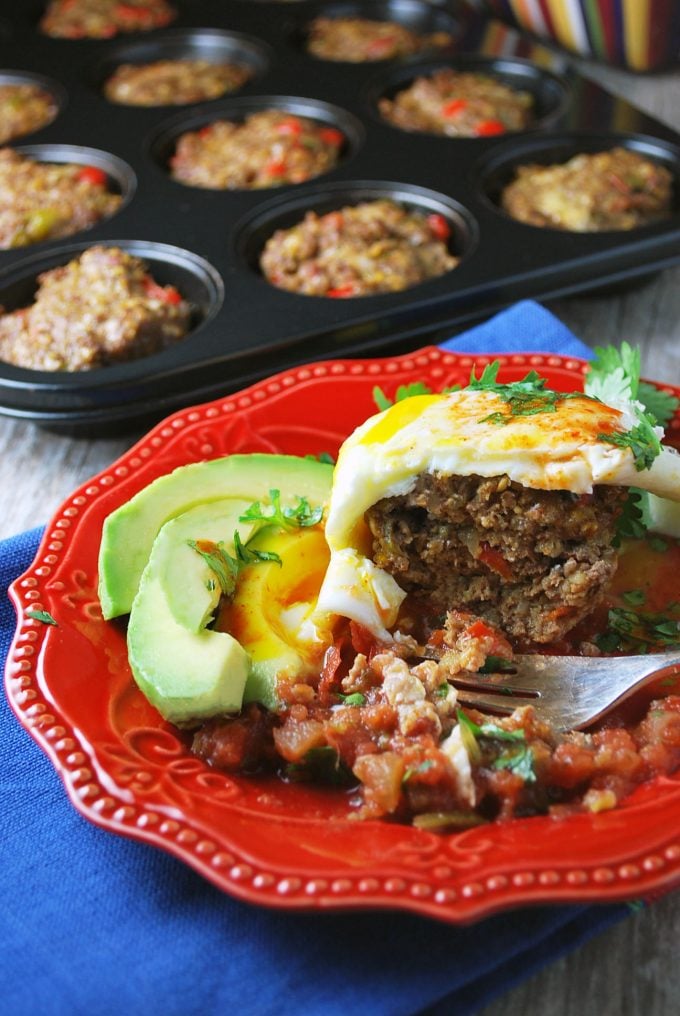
<point>197,281</point>
<point>163,143</point>
<point>422,18</point>
<point>497,169</point>
<point>249,328</point>
<point>550,91</point>
<point>212,45</point>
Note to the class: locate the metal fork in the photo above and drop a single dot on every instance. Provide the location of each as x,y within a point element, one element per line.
<point>569,692</point>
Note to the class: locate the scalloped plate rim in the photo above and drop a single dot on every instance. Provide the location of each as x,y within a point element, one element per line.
<point>450,899</point>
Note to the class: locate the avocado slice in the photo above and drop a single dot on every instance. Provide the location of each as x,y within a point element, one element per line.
<point>271,611</point>
<point>129,532</point>
<point>187,676</point>
<point>190,585</point>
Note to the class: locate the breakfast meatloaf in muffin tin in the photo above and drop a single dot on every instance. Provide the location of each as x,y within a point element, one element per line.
<point>45,201</point>
<point>248,218</point>
<point>614,189</point>
<point>99,309</point>
<point>372,247</point>
<point>458,104</point>
<point>174,82</point>
<point>268,148</point>
<point>24,107</point>
<point>358,40</point>
<point>101,19</point>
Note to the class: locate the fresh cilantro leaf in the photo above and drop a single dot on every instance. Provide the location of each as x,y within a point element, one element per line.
<point>638,631</point>
<point>642,440</point>
<point>614,377</point>
<point>302,515</point>
<point>496,664</point>
<point>520,762</point>
<point>220,562</point>
<point>634,597</point>
<point>488,729</point>
<point>383,401</point>
<point>524,398</point>
<point>662,405</point>
<point>42,615</point>
<point>631,523</point>
<point>355,699</point>
<point>226,566</point>
<point>247,555</point>
<point>614,374</point>
<point>422,767</point>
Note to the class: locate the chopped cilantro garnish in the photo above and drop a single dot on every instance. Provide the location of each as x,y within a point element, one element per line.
<point>422,767</point>
<point>634,597</point>
<point>42,615</point>
<point>524,398</point>
<point>227,566</point>
<point>631,523</point>
<point>642,440</point>
<point>519,761</point>
<point>613,378</point>
<point>302,515</point>
<point>322,457</point>
<point>489,729</point>
<point>638,631</point>
<point>496,664</point>
<point>355,699</point>
<point>383,401</point>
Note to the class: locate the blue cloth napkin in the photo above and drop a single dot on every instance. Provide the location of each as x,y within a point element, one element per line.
<point>95,924</point>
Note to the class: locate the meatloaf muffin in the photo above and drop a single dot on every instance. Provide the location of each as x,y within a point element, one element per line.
<point>617,189</point>
<point>100,309</point>
<point>373,247</point>
<point>268,149</point>
<point>533,562</point>
<point>101,19</point>
<point>360,40</point>
<point>44,201</point>
<point>24,108</point>
<point>458,104</point>
<point>174,82</point>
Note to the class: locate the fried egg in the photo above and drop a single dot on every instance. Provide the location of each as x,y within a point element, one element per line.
<point>468,432</point>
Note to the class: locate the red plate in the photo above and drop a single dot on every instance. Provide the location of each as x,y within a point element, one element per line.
<point>262,840</point>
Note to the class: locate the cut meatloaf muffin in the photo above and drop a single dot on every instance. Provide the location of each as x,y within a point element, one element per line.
<point>174,82</point>
<point>24,108</point>
<point>533,562</point>
<point>268,149</point>
<point>458,104</point>
<point>373,247</point>
<point>44,201</point>
<point>101,19</point>
<point>617,189</point>
<point>100,309</point>
<point>359,40</point>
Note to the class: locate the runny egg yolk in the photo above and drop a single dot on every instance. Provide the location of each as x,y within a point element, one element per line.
<point>271,611</point>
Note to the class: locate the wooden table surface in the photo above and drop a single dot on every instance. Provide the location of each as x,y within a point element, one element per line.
<point>632,969</point>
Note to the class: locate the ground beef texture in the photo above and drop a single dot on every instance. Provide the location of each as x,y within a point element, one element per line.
<point>533,562</point>
<point>173,82</point>
<point>45,201</point>
<point>458,104</point>
<point>373,247</point>
<point>102,19</point>
<point>100,309</point>
<point>267,149</point>
<point>24,108</point>
<point>617,189</point>
<point>359,40</point>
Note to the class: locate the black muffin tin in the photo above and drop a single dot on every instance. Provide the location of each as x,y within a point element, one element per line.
<point>208,242</point>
